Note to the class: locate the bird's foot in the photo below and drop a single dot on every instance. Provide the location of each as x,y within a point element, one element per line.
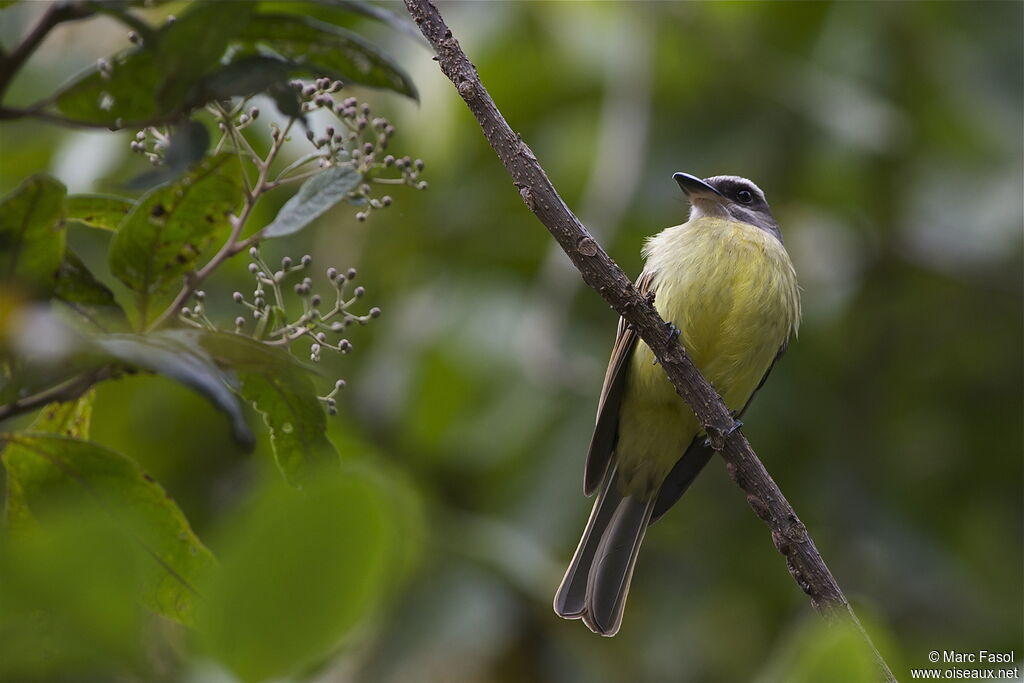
<point>674,333</point>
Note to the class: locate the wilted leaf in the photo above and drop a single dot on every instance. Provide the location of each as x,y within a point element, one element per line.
<point>328,49</point>
<point>47,472</point>
<point>282,392</point>
<point>32,232</point>
<point>298,570</point>
<point>169,227</point>
<point>314,198</point>
<point>103,211</point>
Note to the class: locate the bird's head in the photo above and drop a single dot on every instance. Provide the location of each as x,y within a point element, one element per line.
<point>730,197</point>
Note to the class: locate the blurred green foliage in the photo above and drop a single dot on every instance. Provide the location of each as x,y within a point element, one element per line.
<point>888,140</point>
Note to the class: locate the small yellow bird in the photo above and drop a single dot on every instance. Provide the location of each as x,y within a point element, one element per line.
<point>724,280</point>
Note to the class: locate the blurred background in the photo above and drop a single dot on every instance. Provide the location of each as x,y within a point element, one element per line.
<point>888,139</point>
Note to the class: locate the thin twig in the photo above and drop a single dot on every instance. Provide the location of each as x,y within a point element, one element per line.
<point>56,13</point>
<point>789,534</point>
<point>65,391</point>
<point>234,243</point>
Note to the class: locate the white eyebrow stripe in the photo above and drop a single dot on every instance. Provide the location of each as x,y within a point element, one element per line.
<point>739,180</point>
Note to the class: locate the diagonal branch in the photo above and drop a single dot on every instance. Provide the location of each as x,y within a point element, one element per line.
<point>789,534</point>
<point>56,14</point>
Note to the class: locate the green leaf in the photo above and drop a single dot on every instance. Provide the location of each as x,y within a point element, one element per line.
<point>314,198</point>
<point>174,354</point>
<point>125,98</point>
<point>70,418</point>
<point>32,232</point>
<point>103,211</point>
<point>171,353</point>
<point>87,296</point>
<point>385,16</point>
<point>70,598</point>
<point>176,57</point>
<point>299,569</point>
<point>193,45</point>
<point>247,75</point>
<point>329,49</point>
<point>49,471</point>
<point>282,392</point>
<point>816,651</point>
<point>167,230</point>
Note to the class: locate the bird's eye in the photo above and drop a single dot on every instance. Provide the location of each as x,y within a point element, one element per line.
<point>744,196</point>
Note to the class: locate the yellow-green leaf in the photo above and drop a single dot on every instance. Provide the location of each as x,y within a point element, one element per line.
<point>48,471</point>
<point>32,232</point>
<point>170,227</point>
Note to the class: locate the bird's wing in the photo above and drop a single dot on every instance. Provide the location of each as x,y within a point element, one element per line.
<point>606,431</point>
<point>696,456</point>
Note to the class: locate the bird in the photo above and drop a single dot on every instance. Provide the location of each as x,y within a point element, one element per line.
<point>723,281</point>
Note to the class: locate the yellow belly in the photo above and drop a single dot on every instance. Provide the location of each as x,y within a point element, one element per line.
<point>731,290</point>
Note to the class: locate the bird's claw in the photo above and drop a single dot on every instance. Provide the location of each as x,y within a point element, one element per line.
<point>716,438</point>
<point>674,333</point>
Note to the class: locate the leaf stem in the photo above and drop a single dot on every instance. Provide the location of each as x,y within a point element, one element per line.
<point>234,243</point>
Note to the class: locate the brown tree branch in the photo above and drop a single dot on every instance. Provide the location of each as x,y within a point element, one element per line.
<point>789,534</point>
<point>56,13</point>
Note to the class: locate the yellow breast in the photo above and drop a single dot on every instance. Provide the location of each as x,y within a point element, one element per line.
<point>731,289</point>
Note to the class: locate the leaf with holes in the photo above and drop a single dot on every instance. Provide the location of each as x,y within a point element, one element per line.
<point>32,233</point>
<point>48,470</point>
<point>170,226</point>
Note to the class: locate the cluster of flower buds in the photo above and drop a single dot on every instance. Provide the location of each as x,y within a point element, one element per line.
<point>240,118</point>
<point>360,140</point>
<point>152,143</point>
<point>196,314</point>
<point>323,318</point>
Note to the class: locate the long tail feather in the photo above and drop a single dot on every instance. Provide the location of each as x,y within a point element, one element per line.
<point>612,568</point>
<point>570,599</point>
<point>596,583</point>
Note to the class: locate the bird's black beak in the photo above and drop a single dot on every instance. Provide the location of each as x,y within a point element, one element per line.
<point>695,188</point>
